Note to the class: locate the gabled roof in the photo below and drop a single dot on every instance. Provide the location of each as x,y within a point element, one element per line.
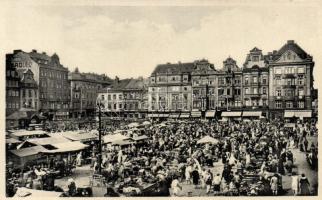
<point>137,84</point>
<point>119,85</point>
<point>178,68</point>
<point>255,49</point>
<point>292,46</point>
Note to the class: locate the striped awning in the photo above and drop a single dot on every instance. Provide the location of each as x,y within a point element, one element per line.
<point>174,115</point>
<point>231,114</point>
<point>298,113</point>
<point>195,114</point>
<point>153,115</point>
<point>252,113</point>
<point>210,113</point>
<point>163,115</point>
<point>185,115</point>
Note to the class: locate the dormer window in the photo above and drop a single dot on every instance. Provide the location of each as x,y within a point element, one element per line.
<point>255,58</point>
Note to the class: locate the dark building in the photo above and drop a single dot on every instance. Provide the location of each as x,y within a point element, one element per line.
<point>84,92</point>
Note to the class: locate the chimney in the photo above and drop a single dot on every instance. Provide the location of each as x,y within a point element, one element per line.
<point>44,53</point>
<point>274,52</point>
<point>34,51</point>
<point>17,51</point>
<point>290,41</point>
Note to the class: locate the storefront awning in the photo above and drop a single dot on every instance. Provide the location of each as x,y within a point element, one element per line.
<point>298,113</point>
<point>195,114</point>
<point>185,115</point>
<point>174,115</point>
<point>231,114</point>
<point>210,113</point>
<point>163,115</point>
<point>153,115</point>
<point>66,147</point>
<point>252,113</point>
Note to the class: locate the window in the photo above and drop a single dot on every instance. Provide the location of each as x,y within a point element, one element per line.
<point>278,104</point>
<point>289,104</point>
<point>301,70</point>
<point>12,73</point>
<point>255,58</point>
<point>109,97</point>
<point>103,97</point>
<point>278,71</point>
<point>120,96</point>
<point>237,91</point>
<point>114,97</point>
<point>255,90</point>
<point>264,80</point>
<point>301,92</point>
<point>120,106</point>
<point>289,93</point>
<point>220,92</point>
<point>246,90</point>
<point>221,80</point>
<point>185,88</point>
<point>115,106</point>
<point>264,90</point>
<point>300,79</point>
<point>254,79</point>
<point>300,104</point>
<point>228,91</point>
<point>246,80</point>
<point>278,92</point>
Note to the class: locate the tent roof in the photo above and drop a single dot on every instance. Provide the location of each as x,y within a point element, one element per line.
<point>76,136</point>
<point>12,141</point>
<point>21,133</point>
<point>66,147</point>
<point>207,139</point>
<point>53,139</point>
<point>25,192</point>
<point>28,151</point>
<point>114,137</point>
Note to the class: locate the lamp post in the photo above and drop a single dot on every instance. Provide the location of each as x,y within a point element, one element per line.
<point>99,104</point>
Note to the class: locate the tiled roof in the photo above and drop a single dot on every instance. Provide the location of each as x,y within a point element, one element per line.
<point>41,56</point>
<point>177,68</point>
<point>137,84</point>
<point>291,45</point>
<point>119,85</point>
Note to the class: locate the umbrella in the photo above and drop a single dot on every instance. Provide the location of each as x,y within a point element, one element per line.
<point>208,139</point>
<point>146,123</point>
<point>134,124</point>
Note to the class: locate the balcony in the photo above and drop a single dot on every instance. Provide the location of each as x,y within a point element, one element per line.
<point>257,95</point>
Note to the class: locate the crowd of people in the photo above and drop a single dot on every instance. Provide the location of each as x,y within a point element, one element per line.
<point>249,158</point>
<point>255,156</point>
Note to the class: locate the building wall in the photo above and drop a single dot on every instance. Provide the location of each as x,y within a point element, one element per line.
<point>12,90</point>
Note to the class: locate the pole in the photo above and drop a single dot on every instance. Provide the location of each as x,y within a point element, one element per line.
<point>99,140</point>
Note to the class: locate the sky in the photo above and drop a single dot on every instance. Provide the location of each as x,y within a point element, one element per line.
<point>129,41</point>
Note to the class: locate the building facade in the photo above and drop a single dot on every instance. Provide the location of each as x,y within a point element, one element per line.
<point>12,87</point>
<point>290,82</point>
<point>204,88</point>
<point>84,92</point>
<point>255,82</point>
<point>125,98</point>
<point>229,82</point>
<point>170,89</point>
<point>54,87</point>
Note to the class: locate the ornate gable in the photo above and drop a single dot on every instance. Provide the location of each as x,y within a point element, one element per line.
<point>289,56</point>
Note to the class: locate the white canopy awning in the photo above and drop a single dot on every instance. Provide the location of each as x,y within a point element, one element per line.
<point>298,113</point>
<point>231,114</point>
<point>210,113</point>
<point>114,137</point>
<point>207,139</point>
<point>252,113</point>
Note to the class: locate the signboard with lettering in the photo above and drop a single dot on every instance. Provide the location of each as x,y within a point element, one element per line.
<point>22,60</point>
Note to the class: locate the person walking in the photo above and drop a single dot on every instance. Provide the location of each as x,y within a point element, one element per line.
<point>274,184</point>
<point>195,178</point>
<point>304,186</point>
<point>209,179</point>
<point>295,183</point>
<point>217,182</point>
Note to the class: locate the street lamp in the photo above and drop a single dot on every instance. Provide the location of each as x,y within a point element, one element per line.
<point>99,105</point>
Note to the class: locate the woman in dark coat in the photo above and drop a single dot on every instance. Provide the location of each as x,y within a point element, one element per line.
<point>304,186</point>
<point>195,177</point>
